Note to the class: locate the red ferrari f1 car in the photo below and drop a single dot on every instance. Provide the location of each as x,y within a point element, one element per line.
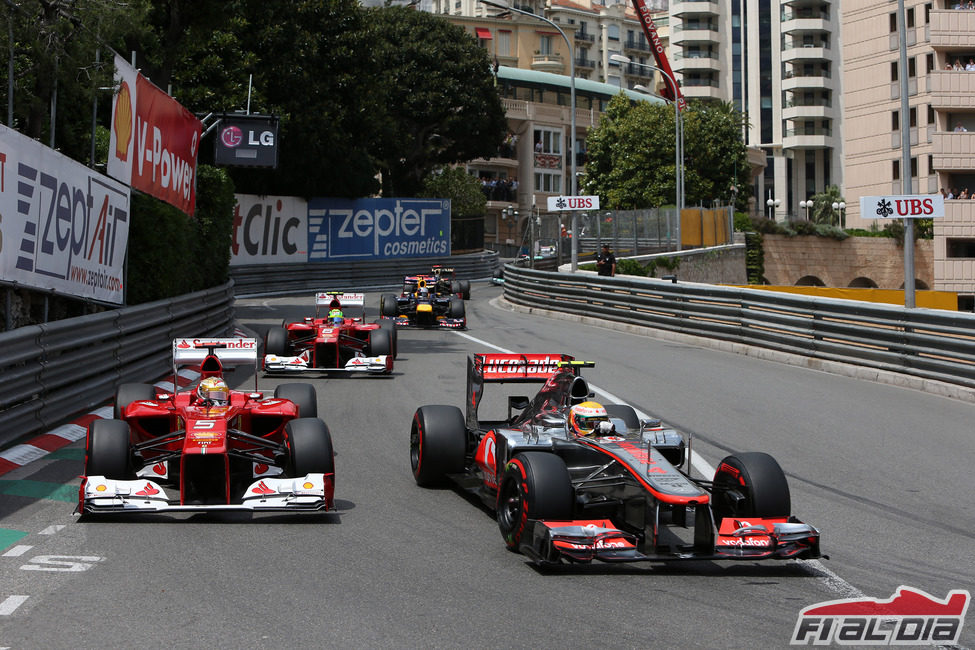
<point>572,480</point>
<point>209,448</point>
<point>333,342</point>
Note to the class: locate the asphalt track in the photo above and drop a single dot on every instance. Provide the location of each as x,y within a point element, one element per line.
<point>883,471</point>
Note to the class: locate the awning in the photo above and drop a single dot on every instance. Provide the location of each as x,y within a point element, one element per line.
<point>483,33</point>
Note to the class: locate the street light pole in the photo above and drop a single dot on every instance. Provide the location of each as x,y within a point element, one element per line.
<point>805,205</point>
<point>678,139</point>
<point>772,203</point>
<point>841,207</point>
<point>570,186</point>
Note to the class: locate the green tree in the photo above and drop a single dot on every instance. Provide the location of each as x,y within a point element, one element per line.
<point>822,210</point>
<point>631,161</point>
<point>439,105</point>
<point>463,190</point>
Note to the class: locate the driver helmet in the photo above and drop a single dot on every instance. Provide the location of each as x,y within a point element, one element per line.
<point>213,390</point>
<point>586,419</point>
<point>335,315</point>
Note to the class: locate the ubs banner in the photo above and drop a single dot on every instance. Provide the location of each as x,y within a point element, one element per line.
<point>350,229</point>
<point>63,226</point>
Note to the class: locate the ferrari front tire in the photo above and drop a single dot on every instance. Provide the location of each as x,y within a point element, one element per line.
<point>535,485</point>
<point>107,449</point>
<point>303,396</point>
<point>389,326</point>
<point>309,447</point>
<point>380,342</point>
<point>276,341</point>
<point>750,485</point>
<point>438,443</point>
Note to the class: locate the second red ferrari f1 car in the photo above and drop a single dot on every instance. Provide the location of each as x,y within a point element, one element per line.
<point>572,480</point>
<point>332,342</point>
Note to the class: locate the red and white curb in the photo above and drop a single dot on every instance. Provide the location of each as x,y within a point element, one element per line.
<point>28,452</point>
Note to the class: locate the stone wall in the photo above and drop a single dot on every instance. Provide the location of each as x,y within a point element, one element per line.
<point>839,263</point>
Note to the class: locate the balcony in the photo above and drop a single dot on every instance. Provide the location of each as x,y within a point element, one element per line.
<point>697,33</point>
<point>805,53</point>
<point>952,29</point>
<point>817,79</point>
<point>951,89</point>
<point>692,7</point>
<point>585,64</point>
<point>807,138</point>
<point>585,37</point>
<point>548,63</point>
<point>812,111</point>
<point>954,152</point>
<point>701,61</point>
<point>637,45</point>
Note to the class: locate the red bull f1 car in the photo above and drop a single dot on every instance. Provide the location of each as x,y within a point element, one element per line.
<point>334,341</point>
<point>209,447</point>
<point>620,493</point>
<point>419,305</point>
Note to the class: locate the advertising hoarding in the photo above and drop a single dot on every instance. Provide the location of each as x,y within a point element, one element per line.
<point>269,230</point>
<point>154,141</point>
<point>909,206</point>
<point>63,226</point>
<point>247,141</point>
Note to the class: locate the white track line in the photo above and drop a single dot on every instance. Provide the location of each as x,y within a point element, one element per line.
<point>11,603</point>
<point>831,582</point>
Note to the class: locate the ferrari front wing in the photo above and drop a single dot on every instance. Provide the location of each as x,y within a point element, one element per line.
<point>309,493</point>
<point>378,365</point>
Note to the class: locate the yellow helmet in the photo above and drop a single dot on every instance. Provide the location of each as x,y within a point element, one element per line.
<point>584,418</point>
<point>213,390</point>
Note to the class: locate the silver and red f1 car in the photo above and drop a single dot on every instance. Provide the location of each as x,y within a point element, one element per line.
<point>214,449</point>
<point>333,342</point>
<point>618,495</point>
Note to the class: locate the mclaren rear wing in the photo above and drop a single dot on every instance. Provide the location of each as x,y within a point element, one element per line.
<point>523,367</point>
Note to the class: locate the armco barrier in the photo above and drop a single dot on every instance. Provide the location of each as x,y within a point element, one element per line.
<point>926,343</point>
<point>53,371</point>
<point>269,279</point>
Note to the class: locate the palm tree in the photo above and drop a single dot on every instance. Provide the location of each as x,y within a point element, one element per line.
<point>822,210</point>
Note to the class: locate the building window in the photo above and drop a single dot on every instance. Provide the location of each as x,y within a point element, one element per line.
<point>545,44</point>
<point>912,67</point>
<point>549,182</point>
<point>930,114</point>
<point>893,23</point>
<point>895,121</point>
<point>613,32</point>
<point>893,70</point>
<point>930,164</point>
<point>913,116</point>
<point>910,17</point>
<point>927,14</point>
<point>503,43</point>
<point>913,167</point>
<point>896,170</point>
<point>548,141</point>
<point>960,247</point>
<point>930,62</point>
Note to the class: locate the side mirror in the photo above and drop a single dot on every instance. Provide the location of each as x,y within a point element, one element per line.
<point>517,403</point>
<point>649,424</point>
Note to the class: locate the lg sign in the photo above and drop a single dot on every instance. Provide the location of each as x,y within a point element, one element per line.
<point>247,141</point>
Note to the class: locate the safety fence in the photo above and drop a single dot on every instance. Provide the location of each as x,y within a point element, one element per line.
<point>270,279</point>
<point>55,370</point>
<point>926,343</point>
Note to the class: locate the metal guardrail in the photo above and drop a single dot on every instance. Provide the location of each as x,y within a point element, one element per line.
<point>53,371</point>
<point>926,343</point>
<point>269,279</point>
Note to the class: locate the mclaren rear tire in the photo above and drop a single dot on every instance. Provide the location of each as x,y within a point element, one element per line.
<point>438,444</point>
<point>128,393</point>
<point>276,342</point>
<point>535,485</point>
<point>309,447</point>
<point>107,449</point>
<point>750,485</point>
<point>303,395</point>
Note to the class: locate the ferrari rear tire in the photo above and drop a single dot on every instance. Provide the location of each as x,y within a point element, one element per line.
<point>457,309</point>
<point>624,412</point>
<point>380,342</point>
<point>535,485</point>
<point>387,305</point>
<point>107,449</point>
<point>438,443</point>
<point>276,341</point>
<point>309,447</point>
<point>750,485</point>
<point>128,393</point>
<point>303,396</point>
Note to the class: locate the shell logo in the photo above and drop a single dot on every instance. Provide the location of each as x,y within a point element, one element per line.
<point>123,122</point>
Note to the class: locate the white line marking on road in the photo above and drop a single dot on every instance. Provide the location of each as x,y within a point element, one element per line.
<point>17,551</point>
<point>72,432</point>
<point>50,530</point>
<point>830,579</point>
<point>11,603</point>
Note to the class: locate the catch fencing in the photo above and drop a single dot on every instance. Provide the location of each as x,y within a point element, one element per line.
<point>53,371</point>
<point>925,343</point>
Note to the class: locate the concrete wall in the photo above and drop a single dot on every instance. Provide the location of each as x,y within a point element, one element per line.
<point>715,265</point>
<point>839,263</point>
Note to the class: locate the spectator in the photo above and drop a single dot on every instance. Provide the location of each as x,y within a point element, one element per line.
<point>964,194</point>
<point>951,193</point>
<point>943,193</point>
<point>957,65</point>
<point>606,262</point>
<point>970,66</point>
<point>960,128</point>
<point>538,146</point>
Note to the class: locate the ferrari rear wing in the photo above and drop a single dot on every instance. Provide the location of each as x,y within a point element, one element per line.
<point>522,367</point>
<point>230,351</point>
<point>325,298</point>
